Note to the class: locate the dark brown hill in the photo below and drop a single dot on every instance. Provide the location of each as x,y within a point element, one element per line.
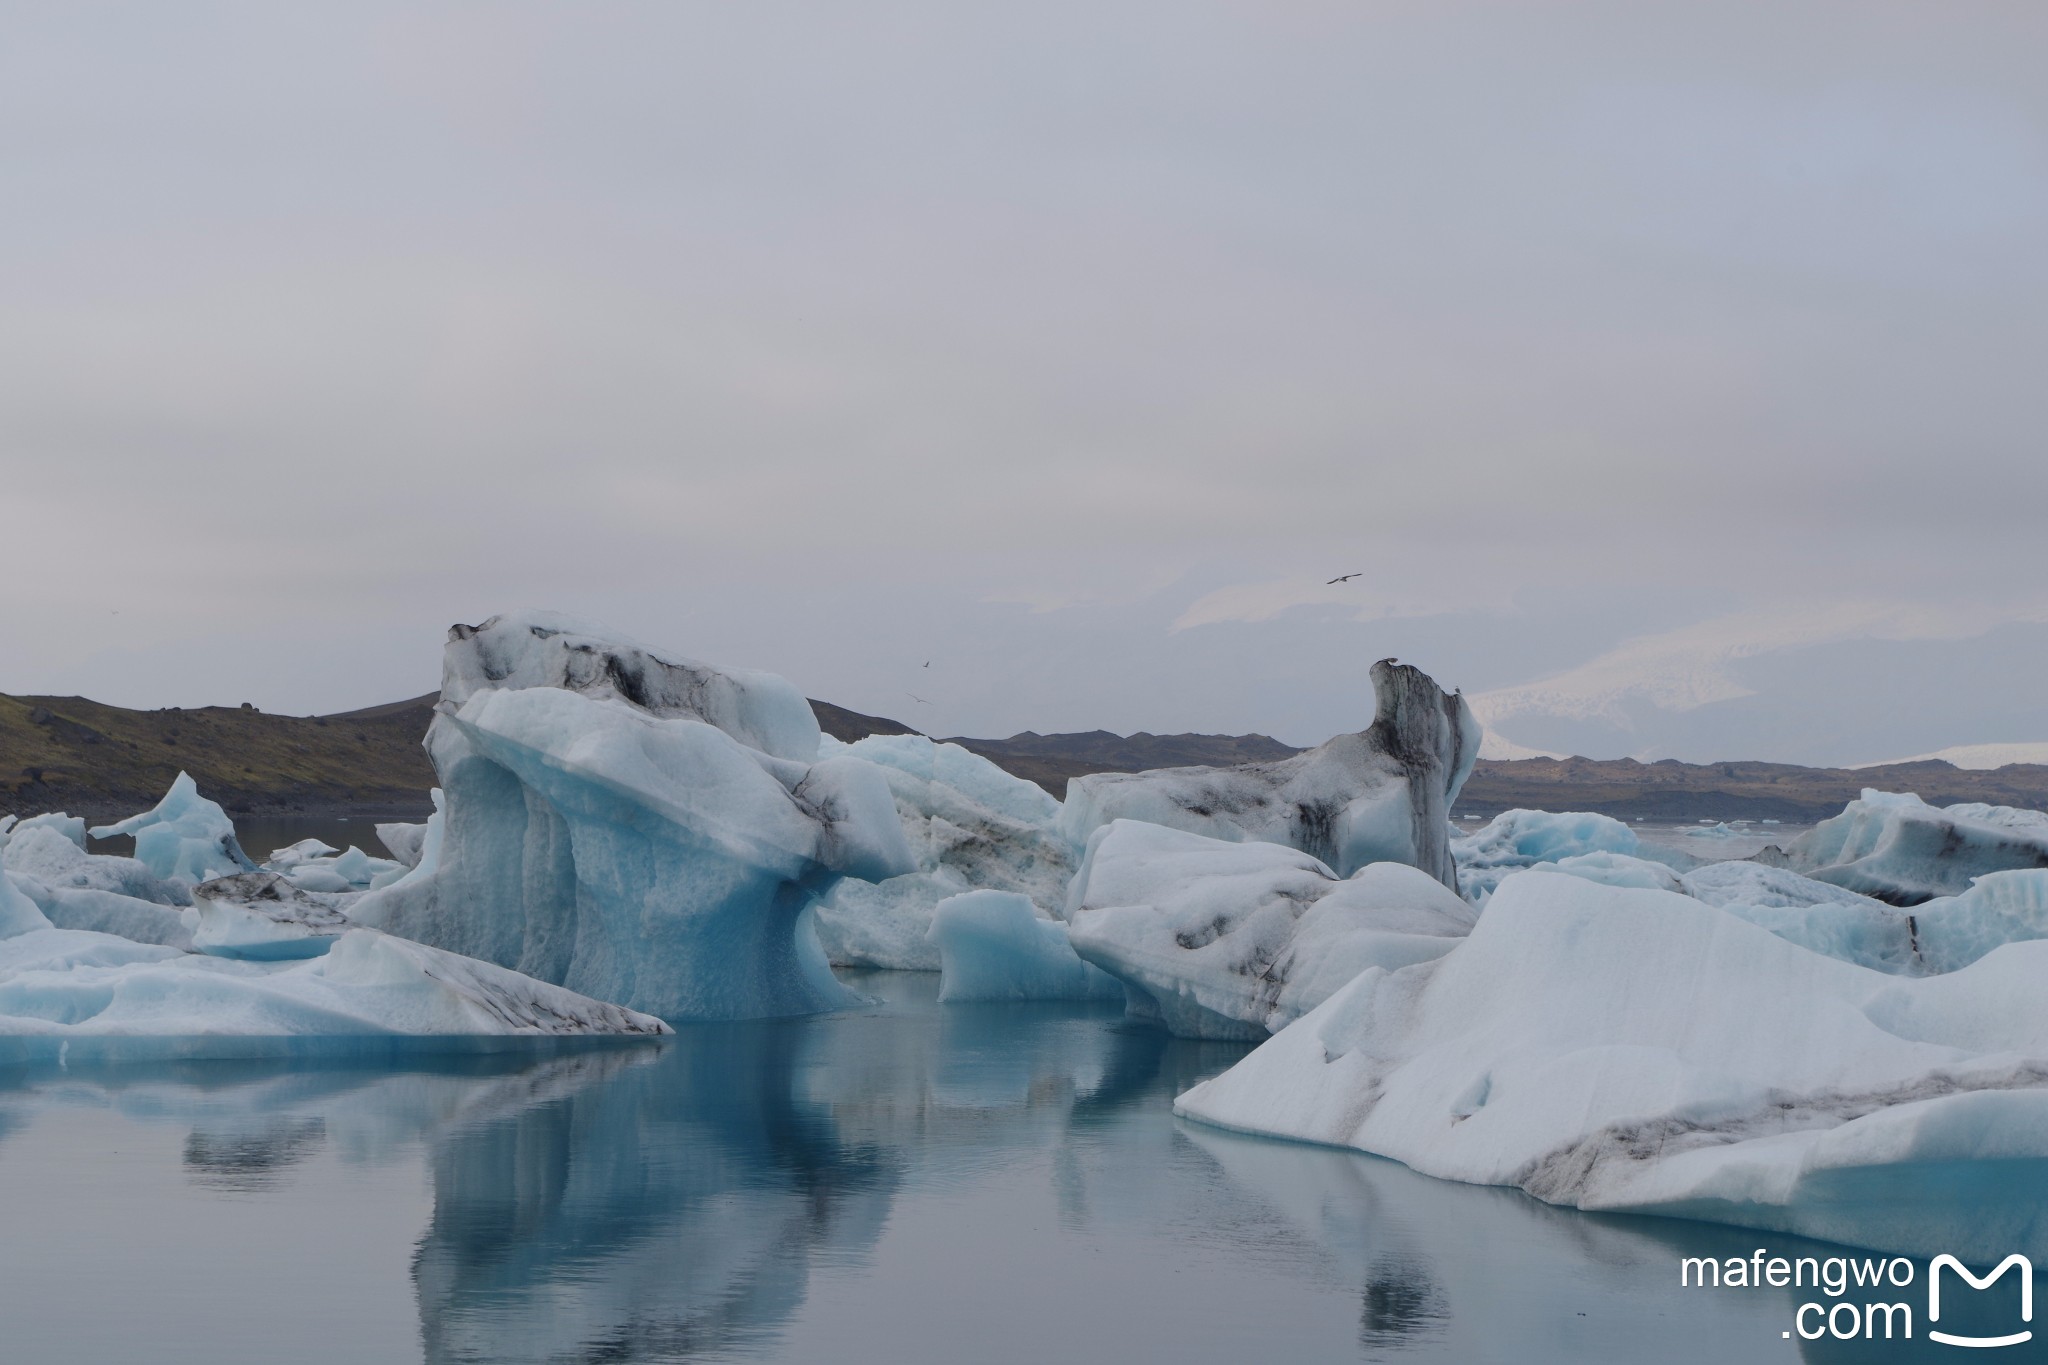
<point>103,762</point>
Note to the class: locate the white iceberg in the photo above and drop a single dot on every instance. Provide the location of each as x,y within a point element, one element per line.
<point>636,828</point>
<point>970,825</point>
<point>1897,848</point>
<point>997,945</point>
<point>1518,839</point>
<point>1223,940</point>
<point>185,838</point>
<point>1628,1050</point>
<point>1383,794</point>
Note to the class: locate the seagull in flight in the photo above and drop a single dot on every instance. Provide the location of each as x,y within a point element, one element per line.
<point>914,697</point>
<point>1345,578</point>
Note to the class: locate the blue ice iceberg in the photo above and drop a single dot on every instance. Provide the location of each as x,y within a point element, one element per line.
<point>185,838</point>
<point>638,828</point>
<point>996,945</point>
<point>1518,839</point>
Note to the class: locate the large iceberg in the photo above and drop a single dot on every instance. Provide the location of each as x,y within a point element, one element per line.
<point>996,945</point>
<point>1223,940</point>
<point>970,825</point>
<point>637,828</point>
<point>1897,848</point>
<point>184,838</point>
<point>1383,794</point>
<point>1630,1050</point>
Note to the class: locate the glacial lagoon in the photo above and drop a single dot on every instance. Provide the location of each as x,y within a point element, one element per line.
<point>905,1182</point>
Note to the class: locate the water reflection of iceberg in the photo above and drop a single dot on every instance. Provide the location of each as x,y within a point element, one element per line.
<point>816,1188</point>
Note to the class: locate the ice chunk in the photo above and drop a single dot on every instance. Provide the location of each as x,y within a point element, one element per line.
<point>1899,849</point>
<point>547,649</point>
<point>71,827</point>
<point>1383,794</point>
<point>599,835</point>
<point>403,841</point>
<point>185,838</point>
<point>996,945</point>
<point>51,858</point>
<point>1715,831</point>
<point>353,870</point>
<point>1617,869</point>
<point>265,917</point>
<point>1628,1050</point>
<point>969,824</point>
<point>18,913</point>
<point>106,912</point>
<point>67,986</point>
<point>304,851</point>
<point>1517,839</point>
<point>1223,940</point>
<point>1940,935</point>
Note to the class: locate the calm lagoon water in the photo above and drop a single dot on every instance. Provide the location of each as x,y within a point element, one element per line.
<point>904,1183</point>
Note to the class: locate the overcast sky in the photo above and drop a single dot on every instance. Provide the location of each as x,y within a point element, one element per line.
<point>1672,372</point>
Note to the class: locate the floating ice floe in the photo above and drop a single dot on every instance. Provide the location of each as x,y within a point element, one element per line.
<point>63,988</point>
<point>1896,847</point>
<point>1225,940</point>
<point>1518,839</point>
<point>1629,1050</point>
<point>997,945</point>
<point>634,827</point>
<point>184,838</point>
<point>1383,794</point>
<point>1720,830</point>
<point>970,825</point>
<point>351,870</point>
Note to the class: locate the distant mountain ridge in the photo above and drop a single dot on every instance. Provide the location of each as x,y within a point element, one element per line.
<point>100,761</point>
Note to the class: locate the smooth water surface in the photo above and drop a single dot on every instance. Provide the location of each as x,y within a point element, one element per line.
<point>905,1183</point>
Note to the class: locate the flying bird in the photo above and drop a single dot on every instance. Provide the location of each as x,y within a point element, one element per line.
<point>914,697</point>
<point>1346,578</point>
<point>927,663</point>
